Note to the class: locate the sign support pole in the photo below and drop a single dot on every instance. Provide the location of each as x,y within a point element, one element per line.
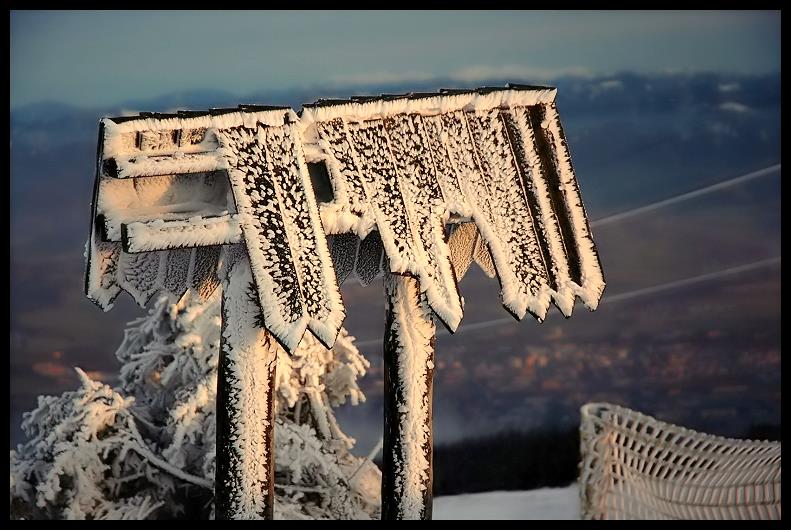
<point>407,457</point>
<point>244,481</point>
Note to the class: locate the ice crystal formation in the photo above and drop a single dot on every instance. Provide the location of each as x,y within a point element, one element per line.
<point>147,448</point>
<point>171,188</point>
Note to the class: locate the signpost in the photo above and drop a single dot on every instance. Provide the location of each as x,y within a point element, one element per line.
<point>281,208</point>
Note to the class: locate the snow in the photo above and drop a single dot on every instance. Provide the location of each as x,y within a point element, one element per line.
<point>729,87</point>
<point>317,278</point>
<point>610,84</point>
<point>510,212</point>
<point>197,231</point>
<point>141,275</point>
<point>733,106</point>
<point>175,163</point>
<point>101,285</point>
<point>158,135</point>
<point>427,212</point>
<point>540,504</point>
<point>428,106</point>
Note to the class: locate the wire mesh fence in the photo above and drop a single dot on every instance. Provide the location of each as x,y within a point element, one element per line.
<point>634,466</point>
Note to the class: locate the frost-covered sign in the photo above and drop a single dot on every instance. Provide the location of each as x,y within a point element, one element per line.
<point>416,186</point>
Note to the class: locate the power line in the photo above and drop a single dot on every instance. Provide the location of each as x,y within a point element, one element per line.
<point>371,455</point>
<point>687,195</point>
<point>693,280</point>
<point>619,297</point>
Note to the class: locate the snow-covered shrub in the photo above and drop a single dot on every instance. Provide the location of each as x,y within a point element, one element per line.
<point>146,449</point>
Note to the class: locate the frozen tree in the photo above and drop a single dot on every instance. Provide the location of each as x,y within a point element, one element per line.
<point>146,449</point>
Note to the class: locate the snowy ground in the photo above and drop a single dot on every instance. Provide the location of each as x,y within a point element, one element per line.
<point>546,503</point>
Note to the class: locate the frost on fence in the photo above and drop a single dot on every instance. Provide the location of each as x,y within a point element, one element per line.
<point>171,189</point>
<point>636,467</point>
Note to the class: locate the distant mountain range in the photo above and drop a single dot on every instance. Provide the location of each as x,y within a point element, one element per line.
<point>623,90</point>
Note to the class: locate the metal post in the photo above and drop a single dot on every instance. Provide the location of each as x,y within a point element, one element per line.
<point>244,481</point>
<point>408,379</point>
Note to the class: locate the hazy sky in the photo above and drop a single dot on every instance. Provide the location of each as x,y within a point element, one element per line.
<point>90,58</point>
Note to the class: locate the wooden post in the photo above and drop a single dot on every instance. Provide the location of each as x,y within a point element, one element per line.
<point>244,481</point>
<point>408,379</point>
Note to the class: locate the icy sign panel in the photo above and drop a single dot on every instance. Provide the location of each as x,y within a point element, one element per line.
<point>407,165</point>
<point>421,184</point>
<point>171,189</point>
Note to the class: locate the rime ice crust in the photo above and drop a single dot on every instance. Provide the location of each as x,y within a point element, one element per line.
<point>154,205</point>
<point>400,169</point>
<point>280,225</point>
<point>498,158</point>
